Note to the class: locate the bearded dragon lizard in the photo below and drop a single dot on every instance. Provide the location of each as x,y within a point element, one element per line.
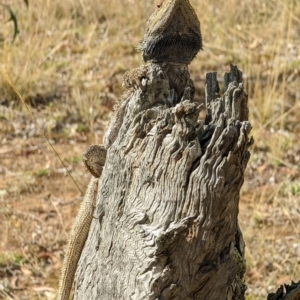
<point>171,41</point>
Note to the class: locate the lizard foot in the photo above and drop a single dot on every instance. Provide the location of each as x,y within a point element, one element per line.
<point>133,78</point>
<point>94,159</point>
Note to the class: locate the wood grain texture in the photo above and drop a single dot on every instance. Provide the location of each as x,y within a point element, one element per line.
<point>168,197</point>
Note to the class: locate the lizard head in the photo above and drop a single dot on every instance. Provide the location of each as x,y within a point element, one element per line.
<point>172,33</point>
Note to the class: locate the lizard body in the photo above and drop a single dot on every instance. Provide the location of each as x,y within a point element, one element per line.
<point>171,41</point>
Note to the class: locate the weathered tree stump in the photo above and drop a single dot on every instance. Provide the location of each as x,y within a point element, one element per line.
<point>168,199</point>
<point>288,292</point>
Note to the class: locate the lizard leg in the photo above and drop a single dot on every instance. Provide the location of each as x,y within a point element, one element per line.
<point>94,159</point>
<point>133,78</point>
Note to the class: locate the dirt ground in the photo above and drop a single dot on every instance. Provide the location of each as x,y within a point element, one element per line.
<point>38,202</point>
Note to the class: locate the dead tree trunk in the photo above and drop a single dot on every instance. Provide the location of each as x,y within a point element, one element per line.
<point>168,198</point>
<point>288,292</point>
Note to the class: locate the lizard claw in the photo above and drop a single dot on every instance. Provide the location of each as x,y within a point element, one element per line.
<point>172,99</point>
<point>186,94</point>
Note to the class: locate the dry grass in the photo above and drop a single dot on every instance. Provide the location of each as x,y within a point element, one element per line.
<point>68,61</point>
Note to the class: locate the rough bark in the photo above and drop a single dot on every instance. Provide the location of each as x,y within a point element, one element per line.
<point>168,198</point>
<point>288,292</point>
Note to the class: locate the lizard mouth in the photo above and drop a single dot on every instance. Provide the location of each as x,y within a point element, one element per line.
<point>176,48</point>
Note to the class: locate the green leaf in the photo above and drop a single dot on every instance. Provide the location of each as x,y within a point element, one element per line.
<point>13,18</point>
